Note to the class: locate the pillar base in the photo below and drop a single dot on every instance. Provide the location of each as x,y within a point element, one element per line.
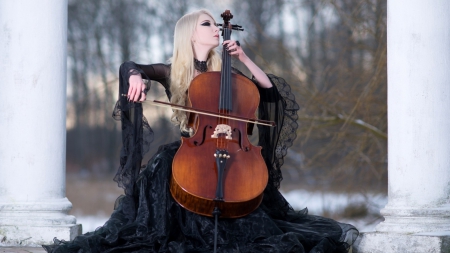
<point>38,235</point>
<point>403,220</point>
<point>34,223</point>
<point>379,242</point>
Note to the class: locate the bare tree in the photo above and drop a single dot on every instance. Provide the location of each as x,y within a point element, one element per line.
<point>334,57</point>
<point>101,35</point>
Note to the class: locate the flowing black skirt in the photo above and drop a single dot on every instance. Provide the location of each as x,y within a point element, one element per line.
<point>151,221</point>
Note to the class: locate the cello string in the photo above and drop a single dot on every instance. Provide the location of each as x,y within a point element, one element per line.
<point>228,85</point>
<point>220,93</point>
<point>228,94</point>
<point>223,81</point>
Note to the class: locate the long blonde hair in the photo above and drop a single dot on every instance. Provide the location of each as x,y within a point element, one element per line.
<point>183,70</point>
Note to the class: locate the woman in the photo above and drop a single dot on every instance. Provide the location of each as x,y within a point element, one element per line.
<point>147,219</point>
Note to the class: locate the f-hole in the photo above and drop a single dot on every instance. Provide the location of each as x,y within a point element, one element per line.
<point>197,143</point>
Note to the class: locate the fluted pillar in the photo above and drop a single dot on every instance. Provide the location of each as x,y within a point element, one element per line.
<point>33,206</point>
<point>417,216</point>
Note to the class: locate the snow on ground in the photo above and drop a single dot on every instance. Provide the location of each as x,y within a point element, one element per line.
<point>319,203</point>
<point>316,202</point>
<point>91,222</point>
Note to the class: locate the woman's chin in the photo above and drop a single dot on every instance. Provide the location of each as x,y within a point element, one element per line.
<point>216,45</point>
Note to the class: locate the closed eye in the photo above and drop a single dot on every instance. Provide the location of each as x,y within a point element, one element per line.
<point>207,23</point>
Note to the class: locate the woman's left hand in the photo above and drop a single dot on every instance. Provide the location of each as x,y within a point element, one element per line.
<point>234,49</point>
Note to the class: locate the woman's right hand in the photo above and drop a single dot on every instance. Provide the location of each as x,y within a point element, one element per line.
<point>136,90</point>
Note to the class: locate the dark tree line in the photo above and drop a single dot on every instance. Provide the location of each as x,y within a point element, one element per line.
<point>332,52</point>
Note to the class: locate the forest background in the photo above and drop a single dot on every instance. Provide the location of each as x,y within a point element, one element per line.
<point>331,52</point>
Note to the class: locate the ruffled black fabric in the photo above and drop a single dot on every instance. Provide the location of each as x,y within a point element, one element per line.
<point>136,133</point>
<point>147,219</point>
<point>152,222</point>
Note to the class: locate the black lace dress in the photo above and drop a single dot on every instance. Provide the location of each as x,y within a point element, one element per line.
<point>147,219</point>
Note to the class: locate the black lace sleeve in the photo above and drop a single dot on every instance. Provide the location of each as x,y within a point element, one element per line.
<point>156,72</point>
<point>136,132</point>
<point>276,104</point>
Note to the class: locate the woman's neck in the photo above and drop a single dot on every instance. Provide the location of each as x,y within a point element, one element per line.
<point>201,54</point>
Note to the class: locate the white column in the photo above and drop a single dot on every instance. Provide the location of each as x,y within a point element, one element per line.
<point>33,206</point>
<point>417,216</point>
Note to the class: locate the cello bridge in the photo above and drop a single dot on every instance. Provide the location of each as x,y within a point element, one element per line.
<point>222,129</point>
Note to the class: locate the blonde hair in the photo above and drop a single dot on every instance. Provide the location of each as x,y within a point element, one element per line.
<point>183,70</point>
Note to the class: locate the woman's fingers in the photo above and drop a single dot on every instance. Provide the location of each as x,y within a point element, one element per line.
<point>135,89</point>
<point>136,95</point>
<point>230,43</point>
<point>234,49</point>
<point>143,95</point>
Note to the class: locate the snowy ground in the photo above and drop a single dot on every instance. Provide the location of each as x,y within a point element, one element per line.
<point>318,203</point>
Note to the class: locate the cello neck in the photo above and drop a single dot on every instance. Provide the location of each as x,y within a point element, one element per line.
<point>225,100</point>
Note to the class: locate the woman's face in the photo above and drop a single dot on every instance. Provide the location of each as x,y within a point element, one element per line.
<point>206,32</point>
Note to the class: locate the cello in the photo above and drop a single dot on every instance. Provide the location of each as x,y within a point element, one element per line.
<point>217,171</point>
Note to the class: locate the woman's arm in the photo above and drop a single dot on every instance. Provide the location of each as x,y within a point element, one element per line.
<point>235,50</point>
<point>135,73</point>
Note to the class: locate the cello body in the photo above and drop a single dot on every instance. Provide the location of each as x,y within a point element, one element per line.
<point>199,182</point>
